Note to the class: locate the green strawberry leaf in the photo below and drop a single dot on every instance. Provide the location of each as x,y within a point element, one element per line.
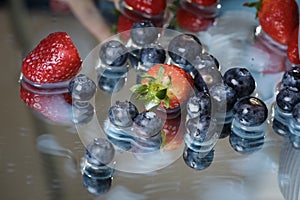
<point>161,94</point>
<point>139,88</point>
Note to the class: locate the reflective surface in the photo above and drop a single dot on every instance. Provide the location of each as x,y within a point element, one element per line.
<point>42,159</point>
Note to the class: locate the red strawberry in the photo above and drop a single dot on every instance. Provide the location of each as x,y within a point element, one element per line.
<point>173,133</point>
<point>293,48</point>
<point>55,107</point>
<point>205,2</point>
<point>55,59</point>
<point>166,85</point>
<point>191,22</point>
<point>278,18</point>
<point>150,7</point>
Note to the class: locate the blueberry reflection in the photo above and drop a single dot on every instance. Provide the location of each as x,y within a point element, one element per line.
<point>96,175</point>
<point>83,112</point>
<point>246,145</point>
<point>96,186</point>
<point>198,160</point>
<point>111,84</point>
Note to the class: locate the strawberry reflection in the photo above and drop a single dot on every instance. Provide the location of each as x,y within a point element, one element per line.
<point>53,105</point>
<point>173,133</point>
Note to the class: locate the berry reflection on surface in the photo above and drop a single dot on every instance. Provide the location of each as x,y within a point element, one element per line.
<point>285,117</point>
<point>96,175</point>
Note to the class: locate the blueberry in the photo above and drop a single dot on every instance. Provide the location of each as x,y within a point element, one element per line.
<point>250,111</point>
<point>211,76</point>
<point>82,112</point>
<point>291,78</point>
<point>82,88</point>
<point>199,105</point>
<point>100,152</point>
<point>144,32</point>
<point>287,98</point>
<point>198,127</point>
<point>111,84</point>
<point>147,124</point>
<point>241,80</point>
<point>113,53</point>
<point>152,54</point>
<point>96,186</point>
<point>205,60</point>
<point>296,113</point>
<point>197,160</point>
<point>223,96</point>
<point>184,48</point>
<point>122,113</point>
<point>200,84</point>
<point>134,57</point>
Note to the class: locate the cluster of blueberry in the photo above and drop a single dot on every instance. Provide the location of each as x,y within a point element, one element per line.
<point>221,107</point>
<point>286,120</point>
<point>141,131</point>
<point>222,104</point>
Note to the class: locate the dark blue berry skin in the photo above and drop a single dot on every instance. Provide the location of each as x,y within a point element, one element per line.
<point>113,53</point>
<point>296,113</point>
<point>82,88</point>
<point>147,124</point>
<point>143,33</point>
<point>241,80</point>
<point>198,127</point>
<point>199,105</point>
<point>152,54</point>
<point>246,146</point>
<point>184,48</point>
<point>111,84</point>
<point>122,114</point>
<point>196,160</point>
<point>200,84</point>
<point>134,57</point>
<point>287,98</point>
<point>250,111</point>
<point>96,186</point>
<point>291,78</point>
<point>223,96</point>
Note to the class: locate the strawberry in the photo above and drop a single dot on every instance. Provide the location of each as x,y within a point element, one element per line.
<point>55,107</point>
<point>293,51</point>
<point>54,59</point>
<point>278,18</point>
<point>205,2</point>
<point>165,85</point>
<point>191,22</point>
<point>150,7</point>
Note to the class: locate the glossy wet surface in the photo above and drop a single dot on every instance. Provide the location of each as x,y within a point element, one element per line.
<point>41,159</point>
